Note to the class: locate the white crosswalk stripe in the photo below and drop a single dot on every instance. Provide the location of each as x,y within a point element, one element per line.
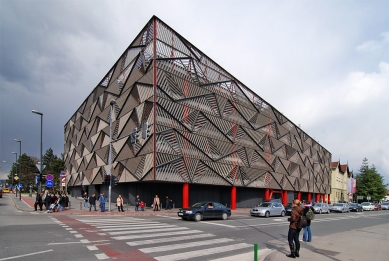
<point>164,241</point>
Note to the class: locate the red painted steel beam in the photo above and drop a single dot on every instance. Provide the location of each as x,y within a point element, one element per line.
<point>185,195</point>
<point>233,197</point>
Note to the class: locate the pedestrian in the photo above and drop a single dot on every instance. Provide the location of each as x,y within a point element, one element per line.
<point>307,234</point>
<point>47,199</point>
<point>61,203</point>
<point>119,203</point>
<point>85,200</point>
<point>168,203</point>
<point>142,206</point>
<point>92,202</point>
<point>102,200</point>
<point>137,202</point>
<point>66,201</point>
<point>156,203</point>
<point>294,232</point>
<point>38,201</point>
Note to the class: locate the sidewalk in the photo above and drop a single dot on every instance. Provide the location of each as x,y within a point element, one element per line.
<point>354,245</point>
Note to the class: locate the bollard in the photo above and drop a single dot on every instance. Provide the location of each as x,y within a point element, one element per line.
<point>255,252</point>
<point>174,205</point>
<point>69,204</point>
<point>80,205</point>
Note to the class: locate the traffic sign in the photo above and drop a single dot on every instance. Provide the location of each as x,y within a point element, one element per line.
<point>20,185</point>
<point>63,179</point>
<point>63,174</point>
<point>63,184</point>
<point>49,183</point>
<point>49,177</point>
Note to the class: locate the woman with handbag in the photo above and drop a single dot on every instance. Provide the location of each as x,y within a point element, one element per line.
<point>119,203</point>
<point>294,230</point>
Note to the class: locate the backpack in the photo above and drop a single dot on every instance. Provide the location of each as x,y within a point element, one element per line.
<point>310,215</point>
<point>302,222</point>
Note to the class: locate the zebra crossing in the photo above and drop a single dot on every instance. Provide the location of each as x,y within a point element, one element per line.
<point>166,242</point>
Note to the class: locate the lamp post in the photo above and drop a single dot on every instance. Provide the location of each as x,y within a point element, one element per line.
<point>20,166</point>
<point>16,168</point>
<point>40,171</point>
<point>110,154</point>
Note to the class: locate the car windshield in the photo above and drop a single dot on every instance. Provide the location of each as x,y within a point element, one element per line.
<point>385,204</point>
<point>365,204</point>
<point>338,205</point>
<point>318,205</point>
<point>289,205</point>
<point>198,205</point>
<point>354,205</point>
<point>265,205</point>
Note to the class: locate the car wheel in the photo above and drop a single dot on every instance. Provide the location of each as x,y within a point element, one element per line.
<point>267,214</point>
<point>224,216</point>
<point>320,211</point>
<point>282,213</point>
<point>357,210</point>
<point>183,218</point>
<point>198,217</point>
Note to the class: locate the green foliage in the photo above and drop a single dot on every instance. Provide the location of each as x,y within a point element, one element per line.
<point>370,182</point>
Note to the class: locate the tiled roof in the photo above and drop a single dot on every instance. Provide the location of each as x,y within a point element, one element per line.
<point>334,164</point>
<point>343,168</point>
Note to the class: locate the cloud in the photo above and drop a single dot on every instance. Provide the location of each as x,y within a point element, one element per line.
<point>373,45</point>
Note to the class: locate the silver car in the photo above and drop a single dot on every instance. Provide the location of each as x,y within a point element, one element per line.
<point>367,206</point>
<point>321,208</point>
<point>267,209</point>
<point>340,207</point>
<point>385,205</point>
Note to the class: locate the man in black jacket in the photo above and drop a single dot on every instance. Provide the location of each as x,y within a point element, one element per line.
<point>38,201</point>
<point>92,202</point>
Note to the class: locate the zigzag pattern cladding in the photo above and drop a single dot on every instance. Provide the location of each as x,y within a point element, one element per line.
<point>210,128</point>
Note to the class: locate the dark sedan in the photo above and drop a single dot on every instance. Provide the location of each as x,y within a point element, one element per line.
<point>205,210</point>
<point>355,207</point>
<point>288,209</point>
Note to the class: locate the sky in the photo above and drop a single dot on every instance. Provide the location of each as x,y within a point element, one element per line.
<point>323,64</point>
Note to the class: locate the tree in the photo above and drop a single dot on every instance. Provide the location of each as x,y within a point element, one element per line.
<point>370,182</point>
<point>54,165</point>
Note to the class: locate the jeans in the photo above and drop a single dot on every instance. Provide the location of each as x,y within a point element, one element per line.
<point>136,207</point>
<point>90,207</point>
<point>168,206</point>
<point>293,236</point>
<point>102,206</point>
<point>85,204</point>
<point>307,236</point>
<point>59,207</point>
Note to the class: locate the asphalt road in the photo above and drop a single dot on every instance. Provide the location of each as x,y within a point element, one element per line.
<point>32,236</point>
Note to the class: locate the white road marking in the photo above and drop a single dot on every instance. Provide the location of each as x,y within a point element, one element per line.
<point>185,245</point>
<point>157,235</point>
<point>218,224</point>
<point>144,230</point>
<point>245,257</point>
<point>78,235</point>
<point>204,252</point>
<point>63,243</point>
<point>170,239</point>
<point>92,248</point>
<point>31,254</point>
<point>101,256</point>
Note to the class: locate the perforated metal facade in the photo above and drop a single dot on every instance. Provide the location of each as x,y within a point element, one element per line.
<point>206,126</point>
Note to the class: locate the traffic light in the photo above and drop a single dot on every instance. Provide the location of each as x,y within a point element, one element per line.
<point>133,135</point>
<point>107,179</point>
<point>145,130</point>
<point>114,180</point>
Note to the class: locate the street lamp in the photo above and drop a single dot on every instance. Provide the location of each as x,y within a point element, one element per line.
<point>20,166</point>
<point>16,162</point>
<point>110,154</point>
<point>40,171</point>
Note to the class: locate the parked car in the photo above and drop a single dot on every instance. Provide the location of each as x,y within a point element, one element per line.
<point>267,209</point>
<point>321,208</point>
<point>367,206</point>
<point>377,207</point>
<point>5,190</point>
<point>288,209</point>
<point>205,210</point>
<point>355,207</point>
<point>385,205</point>
<point>340,207</point>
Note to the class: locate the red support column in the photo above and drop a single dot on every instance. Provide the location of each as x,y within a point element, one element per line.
<point>284,197</point>
<point>185,195</point>
<point>233,197</point>
<point>299,195</point>
<point>267,194</point>
<point>309,197</point>
<point>329,198</point>
<point>317,197</point>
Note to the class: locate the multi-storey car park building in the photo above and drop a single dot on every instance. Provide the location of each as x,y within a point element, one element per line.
<point>184,127</point>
